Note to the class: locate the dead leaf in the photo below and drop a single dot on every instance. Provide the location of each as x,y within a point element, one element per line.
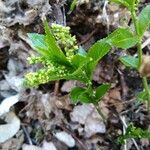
<point>8,130</point>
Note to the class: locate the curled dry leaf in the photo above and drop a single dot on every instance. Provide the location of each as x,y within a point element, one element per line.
<point>8,130</point>
<point>145,67</point>
<point>63,102</point>
<point>7,103</point>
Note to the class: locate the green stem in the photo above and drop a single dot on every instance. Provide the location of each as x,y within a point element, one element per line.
<point>140,55</point>
<point>145,83</point>
<point>100,112</point>
<point>97,106</point>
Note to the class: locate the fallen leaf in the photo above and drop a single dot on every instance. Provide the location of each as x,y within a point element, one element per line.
<point>8,130</point>
<point>7,103</point>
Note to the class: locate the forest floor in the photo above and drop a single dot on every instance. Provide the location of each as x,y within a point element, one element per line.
<point>44,118</point>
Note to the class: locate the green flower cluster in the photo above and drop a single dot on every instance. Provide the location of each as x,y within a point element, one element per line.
<point>67,42</point>
<point>50,69</point>
<point>44,75</point>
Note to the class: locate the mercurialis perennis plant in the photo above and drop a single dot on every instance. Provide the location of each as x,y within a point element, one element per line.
<point>140,23</point>
<point>61,58</point>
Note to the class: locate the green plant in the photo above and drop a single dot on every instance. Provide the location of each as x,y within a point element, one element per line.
<point>141,23</point>
<point>133,132</point>
<point>73,5</point>
<point>62,59</point>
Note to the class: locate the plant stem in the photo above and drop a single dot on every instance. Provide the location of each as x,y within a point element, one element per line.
<point>145,83</point>
<point>140,55</point>
<point>100,112</point>
<point>97,106</point>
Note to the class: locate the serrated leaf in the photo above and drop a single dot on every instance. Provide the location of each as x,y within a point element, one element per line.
<point>101,91</point>
<point>98,50</point>
<point>81,94</point>
<point>75,93</point>
<point>55,51</point>
<point>85,98</point>
<point>129,61</point>
<point>77,60</point>
<point>37,42</point>
<point>80,72</point>
<point>143,20</point>
<point>122,38</point>
<point>95,53</point>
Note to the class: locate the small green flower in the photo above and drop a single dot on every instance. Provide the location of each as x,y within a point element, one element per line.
<point>69,46</point>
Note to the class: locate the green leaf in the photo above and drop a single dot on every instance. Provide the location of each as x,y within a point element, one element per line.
<point>85,97</point>
<point>127,3</point>
<point>38,43</point>
<point>98,50</point>
<point>80,72</point>
<point>75,93</point>
<point>122,38</point>
<point>81,94</point>
<point>133,132</point>
<point>129,61</point>
<point>37,40</point>
<point>78,60</point>
<point>95,53</point>
<point>73,5</point>
<point>142,96</point>
<point>55,51</point>
<point>101,91</point>
<point>143,20</point>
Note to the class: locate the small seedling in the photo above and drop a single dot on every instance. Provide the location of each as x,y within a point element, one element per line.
<point>133,132</point>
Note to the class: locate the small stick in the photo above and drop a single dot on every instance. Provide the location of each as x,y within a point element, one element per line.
<point>27,134</point>
<point>56,88</point>
<point>122,118</point>
<point>88,37</point>
<point>146,43</point>
<point>123,84</point>
<point>78,140</point>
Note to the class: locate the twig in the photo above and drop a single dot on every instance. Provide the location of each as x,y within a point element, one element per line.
<point>84,147</point>
<point>123,84</point>
<point>124,131</point>
<point>105,16</point>
<point>146,43</point>
<point>56,88</point>
<point>88,37</point>
<point>122,118</point>
<point>27,134</point>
